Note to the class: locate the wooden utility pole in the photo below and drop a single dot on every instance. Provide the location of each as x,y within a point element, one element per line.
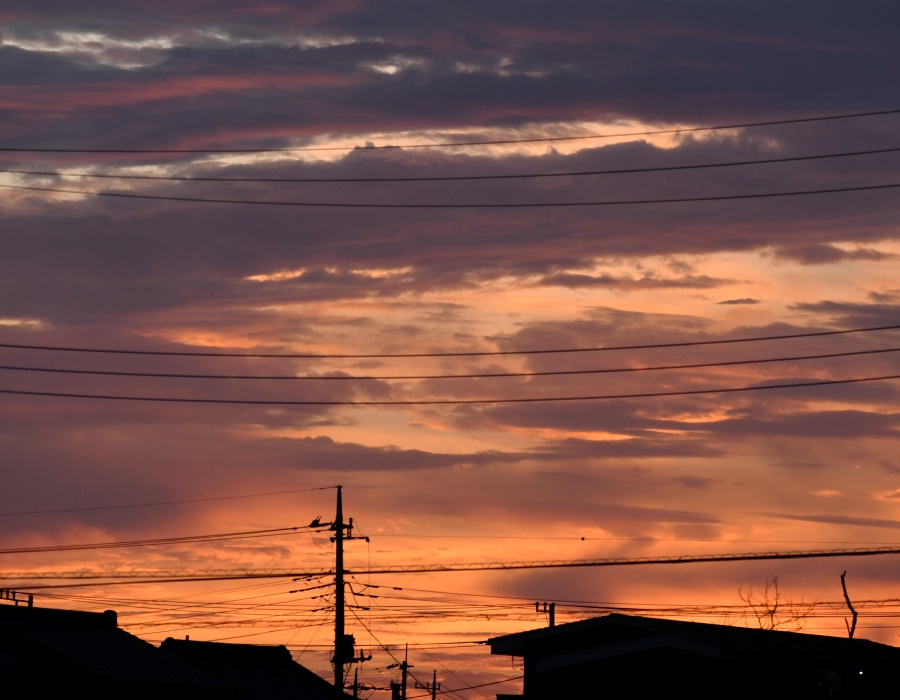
<point>398,691</point>
<point>339,639</point>
<point>434,686</point>
<point>404,668</point>
<point>344,651</point>
<point>549,610</point>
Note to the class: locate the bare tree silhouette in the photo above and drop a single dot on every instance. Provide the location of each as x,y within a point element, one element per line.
<point>773,610</point>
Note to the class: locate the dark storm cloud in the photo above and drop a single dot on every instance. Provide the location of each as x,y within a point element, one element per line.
<point>823,425</point>
<point>651,432</point>
<point>674,424</point>
<point>824,254</point>
<point>745,301</point>
<point>465,64</point>
<point>20,67</point>
<point>884,297</point>
<point>619,500</point>
<point>837,520</point>
<point>599,325</point>
<point>682,437</point>
<point>853,314</point>
<point>694,482</point>
<point>623,332</point>
<point>324,454</point>
<point>652,446</point>
<point>575,281</point>
<point>100,254</point>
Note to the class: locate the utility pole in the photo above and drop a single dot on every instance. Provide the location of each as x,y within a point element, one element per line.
<point>339,639</point>
<point>404,667</point>
<point>434,686</point>
<point>549,610</point>
<point>398,692</point>
<point>344,651</point>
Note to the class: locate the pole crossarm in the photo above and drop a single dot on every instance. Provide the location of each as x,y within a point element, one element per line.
<point>238,573</point>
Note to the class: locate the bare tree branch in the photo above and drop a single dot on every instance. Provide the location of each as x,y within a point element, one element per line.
<point>851,629</point>
<point>772,609</point>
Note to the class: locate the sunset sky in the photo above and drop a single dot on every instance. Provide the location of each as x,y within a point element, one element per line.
<point>189,111</point>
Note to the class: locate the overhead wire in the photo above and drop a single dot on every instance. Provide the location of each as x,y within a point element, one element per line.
<point>642,608</point>
<point>457,205</point>
<point>452,402</point>
<point>174,623</point>
<point>174,627</point>
<point>486,353</point>
<point>448,178</point>
<point>53,511</point>
<point>441,664</point>
<point>177,603</point>
<point>247,534</point>
<point>202,609</point>
<point>473,687</point>
<point>472,375</point>
<point>232,610</point>
<point>456,144</point>
<point>383,646</point>
<point>98,578</point>
<point>270,631</point>
<point>873,607</point>
<point>577,538</point>
<point>312,638</point>
<point>150,605</point>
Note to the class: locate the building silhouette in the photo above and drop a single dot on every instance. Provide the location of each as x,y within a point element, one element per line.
<point>47,652</point>
<point>643,657</point>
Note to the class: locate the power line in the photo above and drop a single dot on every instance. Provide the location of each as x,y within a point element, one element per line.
<point>471,687</point>
<point>208,608</point>
<point>397,625</point>
<point>388,651</point>
<point>635,561</point>
<point>162,503</point>
<point>150,606</point>
<point>451,402</point>
<point>541,538</point>
<point>448,178</point>
<point>157,541</point>
<point>310,356</point>
<point>481,375</point>
<point>603,604</point>
<point>154,605</point>
<point>467,205</point>
<point>98,578</point>
<point>454,144</point>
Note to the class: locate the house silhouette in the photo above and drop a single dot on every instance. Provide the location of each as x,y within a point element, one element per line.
<point>642,657</point>
<point>260,672</point>
<point>46,651</point>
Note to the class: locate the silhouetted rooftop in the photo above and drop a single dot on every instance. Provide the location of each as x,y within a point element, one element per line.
<point>658,658</point>
<point>715,639</point>
<point>49,648</point>
<point>260,672</point>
